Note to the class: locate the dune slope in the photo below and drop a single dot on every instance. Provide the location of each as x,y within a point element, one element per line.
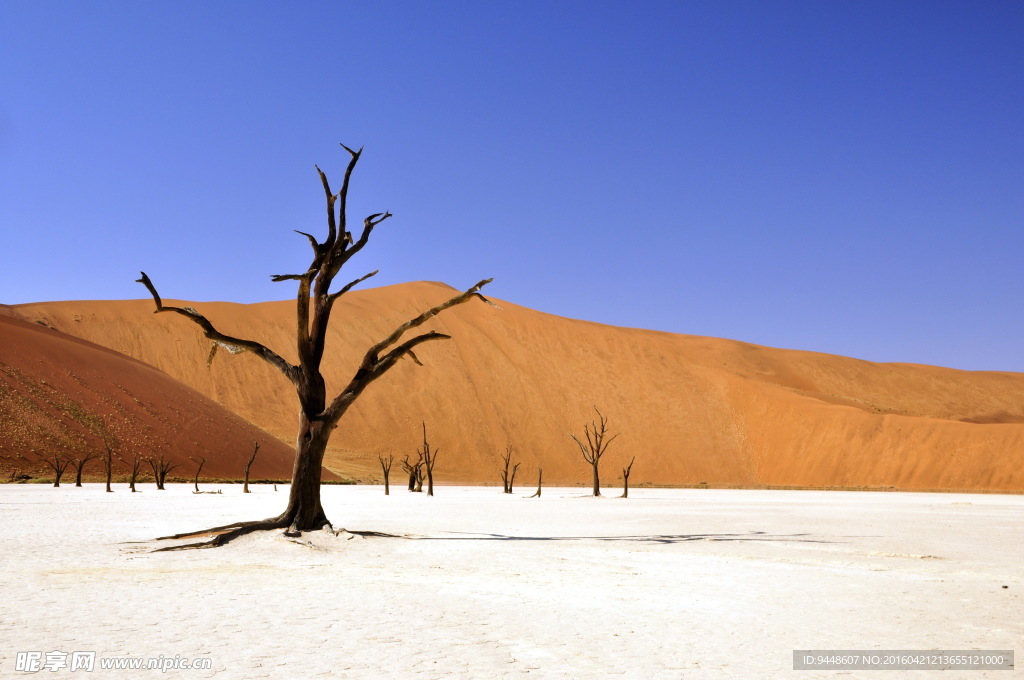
<point>691,409</point>
<point>60,394</point>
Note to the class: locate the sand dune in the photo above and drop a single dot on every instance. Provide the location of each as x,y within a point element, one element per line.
<point>691,409</point>
<point>62,394</point>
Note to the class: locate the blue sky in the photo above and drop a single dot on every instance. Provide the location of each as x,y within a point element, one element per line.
<point>844,177</point>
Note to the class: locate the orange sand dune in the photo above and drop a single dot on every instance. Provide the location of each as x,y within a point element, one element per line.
<point>691,409</point>
<point>61,394</point>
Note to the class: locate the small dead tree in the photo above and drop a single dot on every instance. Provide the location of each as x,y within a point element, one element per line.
<point>508,476</point>
<point>202,462</point>
<point>79,464</point>
<point>429,457</point>
<point>415,472</point>
<point>108,465</point>
<point>597,444</point>
<point>58,464</point>
<point>161,468</point>
<point>256,449</point>
<point>385,465</point>
<point>318,415</point>
<point>540,476</point>
<point>625,477</point>
<point>136,467</point>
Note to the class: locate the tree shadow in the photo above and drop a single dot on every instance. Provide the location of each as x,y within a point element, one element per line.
<point>751,536</point>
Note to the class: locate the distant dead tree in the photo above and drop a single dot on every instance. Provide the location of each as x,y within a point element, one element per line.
<point>429,457</point>
<point>58,464</point>
<point>136,467</point>
<point>508,476</point>
<point>318,417</point>
<point>625,477</point>
<point>256,449</point>
<point>415,472</point>
<point>79,464</point>
<point>202,462</point>
<point>540,476</point>
<point>385,464</point>
<point>108,464</point>
<point>597,444</point>
<point>161,468</point>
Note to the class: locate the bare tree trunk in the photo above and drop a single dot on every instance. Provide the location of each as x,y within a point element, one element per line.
<point>625,477</point>
<point>597,444</point>
<point>161,468</point>
<point>202,461</point>
<point>429,458</point>
<point>156,475</point>
<point>108,464</point>
<point>508,476</point>
<point>256,449</point>
<point>540,476</point>
<point>79,464</point>
<point>385,465</point>
<point>58,465</point>
<point>415,471</point>
<point>136,466</point>
<point>304,511</point>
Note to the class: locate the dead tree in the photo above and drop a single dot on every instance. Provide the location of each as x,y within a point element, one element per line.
<point>597,443</point>
<point>508,476</point>
<point>256,449</point>
<point>318,416</point>
<point>625,477</point>
<point>108,465</point>
<point>135,468</point>
<point>202,462</point>
<point>58,464</point>
<point>540,476</point>
<point>429,457</point>
<point>161,468</point>
<point>79,464</point>
<point>415,472</point>
<point>385,464</point>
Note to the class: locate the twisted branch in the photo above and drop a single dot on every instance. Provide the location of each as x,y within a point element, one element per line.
<point>212,333</point>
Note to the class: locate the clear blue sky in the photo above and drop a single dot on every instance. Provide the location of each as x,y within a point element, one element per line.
<point>845,177</point>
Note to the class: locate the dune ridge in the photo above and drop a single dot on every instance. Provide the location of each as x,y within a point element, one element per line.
<point>691,409</point>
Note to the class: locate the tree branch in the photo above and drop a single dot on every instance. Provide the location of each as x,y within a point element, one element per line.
<point>334,296</point>
<point>332,228</point>
<point>343,192</point>
<point>372,353</point>
<point>292,277</point>
<point>373,365</point>
<point>312,241</point>
<point>340,257</point>
<point>212,333</point>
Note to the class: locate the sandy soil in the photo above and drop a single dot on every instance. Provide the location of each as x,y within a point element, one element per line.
<point>667,584</point>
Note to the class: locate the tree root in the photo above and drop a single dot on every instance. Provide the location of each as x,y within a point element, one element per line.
<point>224,534</point>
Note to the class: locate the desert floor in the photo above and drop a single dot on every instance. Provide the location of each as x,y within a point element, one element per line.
<point>670,583</point>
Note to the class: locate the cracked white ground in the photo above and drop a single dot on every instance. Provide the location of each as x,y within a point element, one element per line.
<point>670,583</point>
